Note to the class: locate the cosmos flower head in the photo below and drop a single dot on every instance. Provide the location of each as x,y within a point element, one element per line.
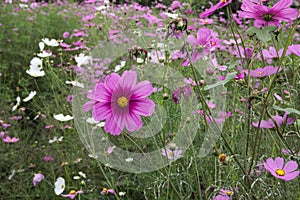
<point>277,119</point>
<point>266,71</point>
<point>214,8</point>
<point>285,172</point>
<point>121,101</point>
<point>266,16</point>
<point>37,179</point>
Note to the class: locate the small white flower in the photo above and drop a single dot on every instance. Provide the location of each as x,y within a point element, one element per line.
<point>139,60</point>
<point>59,186</point>
<point>30,96</point>
<point>76,177</point>
<point>75,83</point>
<point>91,120</point>
<point>82,59</point>
<point>100,8</point>
<point>101,124</point>
<point>13,172</point>
<point>129,159</point>
<point>93,156</point>
<point>17,104</point>
<point>60,138</point>
<point>171,15</point>
<point>122,193</point>
<point>62,118</point>
<point>36,62</point>
<point>52,42</point>
<point>35,71</point>
<point>44,54</point>
<point>82,174</point>
<point>118,67</point>
<point>23,5</point>
<point>42,46</point>
<point>53,140</point>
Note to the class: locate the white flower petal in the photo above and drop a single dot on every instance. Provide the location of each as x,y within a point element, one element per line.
<point>59,186</point>
<point>62,118</point>
<point>30,96</point>
<point>75,83</point>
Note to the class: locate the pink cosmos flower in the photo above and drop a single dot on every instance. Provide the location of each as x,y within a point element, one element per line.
<point>295,49</point>
<point>265,16</point>
<point>213,8</point>
<point>37,179</point>
<point>48,158</point>
<point>262,72</point>
<point>8,139</point>
<point>276,168</point>
<point>72,194</point>
<point>172,153</point>
<point>107,191</point>
<point>121,101</point>
<point>201,44</point>
<point>224,195</point>
<point>271,53</point>
<point>278,119</point>
<point>177,94</point>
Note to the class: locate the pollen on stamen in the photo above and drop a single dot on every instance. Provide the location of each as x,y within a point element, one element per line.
<point>280,172</point>
<point>122,102</point>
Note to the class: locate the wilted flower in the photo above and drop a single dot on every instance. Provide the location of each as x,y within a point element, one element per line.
<point>37,179</point>
<point>48,158</point>
<point>172,152</point>
<point>72,194</point>
<point>106,191</point>
<point>18,99</point>
<point>277,169</point>
<point>179,92</point>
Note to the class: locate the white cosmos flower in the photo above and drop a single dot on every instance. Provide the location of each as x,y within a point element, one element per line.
<point>91,120</point>
<point>59,185</point>
<point>82,59</point>
<point>44,54</point>
<point>82,174</point>
<point>17,104</point>
<point>52,42</point>
<point>30,96</point>
<point>35,71</point>
<point>122,193</point>
<point>75,83</point>
<point>62,118</point>
<point>129,159</point>
<point>171,15</point>
<point>42,46</point>
<point>118,67</point>
<point>76,177</point>
<point>36,62</point>
<point>101,124</point>
<point>100,8</point>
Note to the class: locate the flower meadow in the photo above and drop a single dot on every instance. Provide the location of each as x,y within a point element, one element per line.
<point>150,100</point>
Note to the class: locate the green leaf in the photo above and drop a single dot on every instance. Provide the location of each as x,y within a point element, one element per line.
<point>262,34</point>
<point>289,110</point>
<point>228,78</point>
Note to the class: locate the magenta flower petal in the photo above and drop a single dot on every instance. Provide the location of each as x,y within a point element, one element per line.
<point>111,126</point>
<point>142,90</point>
<point>192,40</point>
<point>291,176</point>
<point>102,93</point>
<point>102,110</point>
<point>112,80</point>
<point>279,162</point>
<point>133,122</point>
<point>143,107</point>
<point>290,166</point>
<point>128,80</point>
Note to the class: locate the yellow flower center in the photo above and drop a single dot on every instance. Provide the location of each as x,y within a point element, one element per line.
<point>224,1</point>
<point>259,73</point>
<point>280,172</point>
<point>73,192</point>
<point>229,192</point>
<point>122,102</point>
<point>62,186</point>
<point>171,153</point>
<point>104,190</point>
